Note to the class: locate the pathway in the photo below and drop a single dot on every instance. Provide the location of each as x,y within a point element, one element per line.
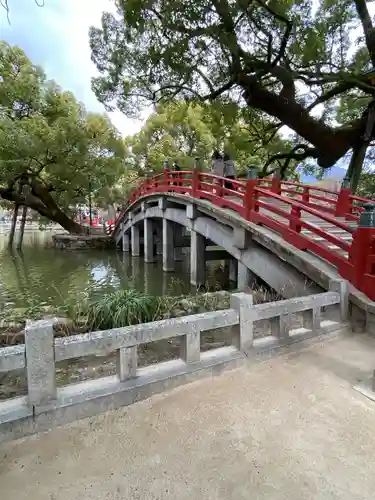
<point>289,428</point>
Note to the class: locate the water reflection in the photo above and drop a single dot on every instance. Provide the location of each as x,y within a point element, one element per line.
<point>42,273</point>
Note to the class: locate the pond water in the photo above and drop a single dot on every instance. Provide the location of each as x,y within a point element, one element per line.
<point>41,274</point>
<point>40,279</point>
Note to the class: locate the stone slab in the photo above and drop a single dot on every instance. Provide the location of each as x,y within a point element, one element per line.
<point>12,358</point>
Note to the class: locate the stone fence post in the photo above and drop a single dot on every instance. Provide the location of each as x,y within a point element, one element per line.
<point>40,362</point>
<point>243,337</point>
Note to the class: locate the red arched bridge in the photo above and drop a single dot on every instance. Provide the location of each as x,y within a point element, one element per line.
<point>333,229</point>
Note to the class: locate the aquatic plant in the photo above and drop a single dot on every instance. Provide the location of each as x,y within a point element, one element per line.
<point>120,308</point>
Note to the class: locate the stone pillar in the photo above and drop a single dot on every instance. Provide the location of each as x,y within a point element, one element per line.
<point>135,241</point>
<point>148,239</point>
<point>230,271</point>
<point>178,241</point>
<point>158,237</point>
<point>233,270</point>
<point>126,363</point>
<point>159,246</point>
<point>242,336</point>
<point>243,277</point>
<point>168,248</point>
<point>197,259</point>
<point>125,242</point>
<point>40,363</point>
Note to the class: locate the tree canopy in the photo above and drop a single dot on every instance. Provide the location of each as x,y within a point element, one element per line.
<point>52,151</point>
<point>283,58</point>
<point>182,130</point>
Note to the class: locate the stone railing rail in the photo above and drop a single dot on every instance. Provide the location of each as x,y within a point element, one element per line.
<point>46,405</point>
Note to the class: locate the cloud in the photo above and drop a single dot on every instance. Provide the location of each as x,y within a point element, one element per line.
<point>55,37</point>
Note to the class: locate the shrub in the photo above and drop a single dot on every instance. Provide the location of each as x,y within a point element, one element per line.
<point>121,308</point>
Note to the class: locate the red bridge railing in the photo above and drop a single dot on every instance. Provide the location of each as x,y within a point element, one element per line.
<point>278,205</point>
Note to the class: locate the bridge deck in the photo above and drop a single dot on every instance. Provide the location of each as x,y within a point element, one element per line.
<point>289,428</point>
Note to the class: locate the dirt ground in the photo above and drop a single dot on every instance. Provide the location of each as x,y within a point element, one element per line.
<point>291,427</point>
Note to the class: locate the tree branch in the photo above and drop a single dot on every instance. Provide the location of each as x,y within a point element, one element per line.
<point>335,91</point>
<point>294,154</point>
<point>367,26</point>
<point>216,93</point>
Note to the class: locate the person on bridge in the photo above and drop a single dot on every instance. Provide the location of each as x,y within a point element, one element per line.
<point>217,169</point>
<point>229,171</point>
<point>176,167</point>
<point>217,164</point>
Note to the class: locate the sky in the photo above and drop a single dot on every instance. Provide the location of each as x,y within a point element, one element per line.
<point>55,37</point>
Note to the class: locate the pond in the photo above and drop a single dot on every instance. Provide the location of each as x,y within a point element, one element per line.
<point>40,279</point>
<point>41,275</point>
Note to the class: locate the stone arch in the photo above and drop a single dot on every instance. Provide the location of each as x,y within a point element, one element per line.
<point>278,274</point>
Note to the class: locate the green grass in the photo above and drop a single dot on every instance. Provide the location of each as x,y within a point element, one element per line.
<point>121,308</point>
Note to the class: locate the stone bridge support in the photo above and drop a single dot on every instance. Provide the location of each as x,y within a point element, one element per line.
<point>125,242</point>
<point>135,240</point>
<point>168,245</point>
<point>178,242</point>
<point>166,225</point>
<point>197,259</point>
<point>148,241</point>
<point>239,274</point>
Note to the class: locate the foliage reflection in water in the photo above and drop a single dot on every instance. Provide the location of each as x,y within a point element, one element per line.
<point>41,277</point>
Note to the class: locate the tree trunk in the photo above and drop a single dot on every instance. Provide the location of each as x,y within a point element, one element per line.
<point>359,151</point>
<point>331,143</point>
<point>22,227</point>
<point>355,166</point>
<point>40,200</point>
<point>66,222</point>
<point>13,226</point>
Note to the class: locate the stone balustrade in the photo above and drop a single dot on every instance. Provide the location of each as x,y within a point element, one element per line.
<point>46,405</point>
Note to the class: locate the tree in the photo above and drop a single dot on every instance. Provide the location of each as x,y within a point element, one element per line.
<point>182,131</point>
<point>366,187</point>
<point>283,58</point>
<point>52,152</point>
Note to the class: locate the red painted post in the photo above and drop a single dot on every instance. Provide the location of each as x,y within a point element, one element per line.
<point>166,180</point>
<point>362,253</point>
<point>306,195</point>
<point>166,171</point>
<point>343,205</point>
<point>251,194</point>
<point>295,226</point>
<point>276,182</point>
<point>195,183</point>
<point>249,200</point>
<point>295,219</point>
